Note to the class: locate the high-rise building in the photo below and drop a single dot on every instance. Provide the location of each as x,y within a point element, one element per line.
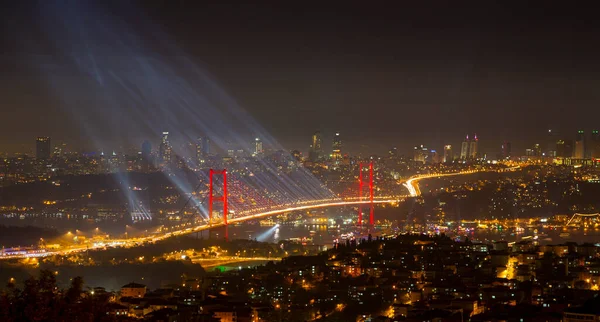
<point>421,154</point>
<point>258,147</point>
<point>146,155</point>
<point>336,153</point>
<point>537,150</point>
<point>564,148</point>
<point>448,157</point>
<point>315,152</point>
<point>464,149</point>
<point>595,145</point>
<point>42,147</point>
<point>506,150</point>
<point>433,157</point>
<point>202,149</point>
<point>529,152</point>
<point>146,150</point>
<point>579,151</point>
<point>164,150</point>
<point>200,156</point>
<point>203,146</point>
<point>473,148</point>
<point>551,144</point>
<point>393,152</point>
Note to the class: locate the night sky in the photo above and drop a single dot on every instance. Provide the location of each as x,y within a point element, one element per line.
<point>383,75</point>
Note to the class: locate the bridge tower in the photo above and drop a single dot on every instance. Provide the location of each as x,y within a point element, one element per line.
<point>361,185</point>
<point>212,198</point>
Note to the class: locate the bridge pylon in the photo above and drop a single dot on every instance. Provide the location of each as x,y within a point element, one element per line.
<point>361,185</point>
<point>222,198</point>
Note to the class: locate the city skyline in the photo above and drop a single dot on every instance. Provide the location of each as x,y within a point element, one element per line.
<point>452,81</point>
<point>179,160</point>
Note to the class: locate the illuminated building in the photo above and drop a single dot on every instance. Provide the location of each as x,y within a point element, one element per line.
<point>473,145</point>
<point>336,154</point>
<point>421,153</point>
<point>165,149</point>
<point>42,147</point>
<point>202,149</point>
<point>595,145</point>
<point>579,151</point>
<point>551,147</point>
<point>537,150</point>
<point>433,157</point>
<point>258,147</point>
<point>529,153</point>
<point>506,150</point>
<point>316,149</point>
<point>133,290</point>
<point>448,157</point>
<point>464,149</point>
<point>393,152</point>
<point>146,155</point>
<point>564,148</point>
<point>59,150</point>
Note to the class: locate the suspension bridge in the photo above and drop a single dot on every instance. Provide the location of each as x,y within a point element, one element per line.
<point>219,196</point>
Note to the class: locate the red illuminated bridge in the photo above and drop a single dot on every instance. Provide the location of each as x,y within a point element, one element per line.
<point>227,217</point>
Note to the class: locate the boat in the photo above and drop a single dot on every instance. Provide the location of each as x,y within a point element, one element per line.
<point>564,234</point>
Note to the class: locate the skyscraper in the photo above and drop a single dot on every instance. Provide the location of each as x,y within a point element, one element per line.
<point>316,150</point>
<point>579,151</point>
<point>448,157</point>
<point>164,150</point>
<point>421,153</point>
<point>204,144</point>
<point>595,145</point>
<point>564,148</point>
<point>464,149</point>
<point>506,150</point>
<point>258,147</point>
<point>146,155</point>
<point>202,149</point>
<point>551,144</point>
<point>42,147</point>
<point>473,148</point>
<point>537,150</point>
<point>336,154</point>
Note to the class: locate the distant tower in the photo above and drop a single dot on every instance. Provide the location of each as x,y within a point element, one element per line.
<point>421,154</point>
<point>537,150</point>
<point>146,149</point>
<point>579,151</point>
<point>165,150</point>
<point>464,149</point>
<point>204,145</point>
<point>448,157</point>
<point>258,147</point>
<point>595,145</point>
<point>336,154</point>
<point>202,149</point>
<point>506,150</point>
<point>473,145</point>
<point>564,148</point>
<point>316,148</point>
<point>551,144</point>
<point>42,147</point>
